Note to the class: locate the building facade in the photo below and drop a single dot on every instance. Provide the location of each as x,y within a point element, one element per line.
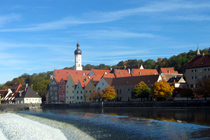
<point>197,68</point>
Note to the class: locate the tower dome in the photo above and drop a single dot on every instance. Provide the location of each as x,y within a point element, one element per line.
<point>77,51</point>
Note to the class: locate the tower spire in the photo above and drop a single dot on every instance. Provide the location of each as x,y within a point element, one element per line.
<point>198,51</point>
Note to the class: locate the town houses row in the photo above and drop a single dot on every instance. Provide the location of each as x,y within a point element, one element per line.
<point>78,86</point>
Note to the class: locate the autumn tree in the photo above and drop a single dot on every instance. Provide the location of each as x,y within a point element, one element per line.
<point>162,89</point>
<point>141,90</point>
<point>203,86</point>
<point>97,95</point>
<point>109,93</point>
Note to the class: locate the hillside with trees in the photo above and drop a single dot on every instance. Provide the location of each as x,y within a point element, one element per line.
<point>40,81</point>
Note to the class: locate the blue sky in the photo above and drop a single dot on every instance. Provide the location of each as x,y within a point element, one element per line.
<point>41,35</point>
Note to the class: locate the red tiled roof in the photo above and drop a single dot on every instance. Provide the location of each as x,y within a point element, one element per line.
<point>58,79</point>
<point>109,75</point>
<point>139,72</point>
<point>168,70</point>
<point>199,61</point>
<point>77,78</point>
<point>121,73</point>
<point>3,93</point>
<point>100,72</point>
<point>66,73</point>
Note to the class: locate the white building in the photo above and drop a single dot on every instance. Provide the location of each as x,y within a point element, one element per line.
<point>78,58</point>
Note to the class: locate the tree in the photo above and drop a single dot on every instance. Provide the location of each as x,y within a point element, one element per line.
<point>109,93</point>
<point>97,95</point>
<point>203,86</point>
<point>162,89</point>
<point>141,90</point>
<point>187,92</point>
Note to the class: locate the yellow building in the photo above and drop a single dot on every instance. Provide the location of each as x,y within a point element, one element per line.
<point>89,90</point>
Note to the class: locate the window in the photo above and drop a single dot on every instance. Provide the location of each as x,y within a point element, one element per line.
<point>193,70</point>
<point>60,86</point>
<point>81,97</point>
<point>206,69</point>
<point>90,84</point>
<point>67,92</point>
<point>66,97</point>
<point>128,89</point>
<point>63,96</point>
<point>77,92</point>
<point>194,77</point>
<point>67,86</point>
<point>60,96</point>
<point>70,97</point>
<point>200,70</point>
<point>89,99</point>
<point>86,91</point>
<point>81,92</point>
<point>77,98</point>
<point>63,91</point>
<point>90,91</point>
<point>102,84</point>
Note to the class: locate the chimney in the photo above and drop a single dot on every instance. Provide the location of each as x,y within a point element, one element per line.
<point>83,74</point>
<point>168,71</point>
<point>203,54</point>
<point>105,73</point>
<point>139,73</point>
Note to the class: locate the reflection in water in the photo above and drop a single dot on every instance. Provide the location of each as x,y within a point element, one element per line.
<point>133,123</point>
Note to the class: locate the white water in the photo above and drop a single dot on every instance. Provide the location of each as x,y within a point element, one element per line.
<point>15,127</point>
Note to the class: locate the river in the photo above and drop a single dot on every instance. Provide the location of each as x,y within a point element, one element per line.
<point>126,123</point>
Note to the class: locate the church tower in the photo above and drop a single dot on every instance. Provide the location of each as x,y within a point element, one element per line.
<point>78,58</point>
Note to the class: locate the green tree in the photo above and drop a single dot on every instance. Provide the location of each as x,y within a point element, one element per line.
<point>141,90</point>
<point>109,93</point>
<point>203,87</point>
<point>40,85</point>
<point>162,89</point>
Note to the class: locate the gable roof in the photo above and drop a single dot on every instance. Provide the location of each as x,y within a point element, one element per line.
<point>100,72</point>
<point>66,73</point>
<point>16,87</point>
<point>108,75</point>
<point>125,81</point>
<point>58,79</point>
<point>199,61</point>
<point>30,93</point>
<point>174,79</point>
<point>138,72</point>
<point>94,82</point>
<point>168,70</point>
<point>121,73</point>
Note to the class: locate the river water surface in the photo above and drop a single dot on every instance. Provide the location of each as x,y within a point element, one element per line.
<point>126,123</point>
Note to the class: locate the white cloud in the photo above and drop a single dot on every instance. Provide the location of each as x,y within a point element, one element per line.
<point>101,17</point>
<point>110,34</point>
<point>8,18</point>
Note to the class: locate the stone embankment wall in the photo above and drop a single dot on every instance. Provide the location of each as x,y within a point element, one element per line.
<point>17,107</point>
<point>131,104</point>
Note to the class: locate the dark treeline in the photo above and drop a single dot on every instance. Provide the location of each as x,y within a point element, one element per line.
<point>40,81</point>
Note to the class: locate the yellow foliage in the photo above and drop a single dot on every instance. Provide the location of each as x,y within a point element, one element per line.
<point>109,93</point>
<point>162,89</point>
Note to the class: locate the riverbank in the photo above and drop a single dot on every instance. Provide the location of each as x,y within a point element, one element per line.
<point>151,104</point>
<point>17,107</point>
